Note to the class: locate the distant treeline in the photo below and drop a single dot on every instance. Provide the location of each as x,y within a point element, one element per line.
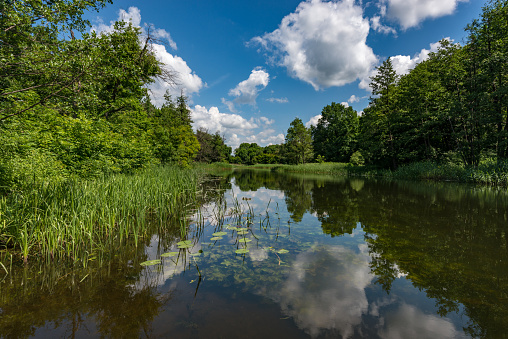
<point>450,109</point>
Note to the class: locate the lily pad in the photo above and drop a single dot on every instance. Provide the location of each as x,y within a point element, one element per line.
<point>185,246</point>
<point>242,232</point>
<point>169,254</point>
<point>242,251</point>
<point>219,234</point>
<point>184,242</point>
<point>150,262</point>
<point>245,240</point>
<point>197,254</point>
<point>216,238</point>
<point>282,251</point>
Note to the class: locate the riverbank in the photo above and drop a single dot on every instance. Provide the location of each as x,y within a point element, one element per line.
<point>487,173</point>
<point>81,219</point>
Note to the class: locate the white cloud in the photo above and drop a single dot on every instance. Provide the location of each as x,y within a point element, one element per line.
<point>229,104</point>
<point>247,91</point>
<point>322,43</point>
<point>214,120</point>
<point>235,128</point>
<point>267,121</point>
<point>353,98</point>
<point>278,100</point>
<point>378,27</point>
<point>345,104</point>
<point>186,80</point>
<point>410,13</point>
<point>313,121</point>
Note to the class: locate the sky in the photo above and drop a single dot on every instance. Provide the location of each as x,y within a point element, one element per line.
<point>249,68</point>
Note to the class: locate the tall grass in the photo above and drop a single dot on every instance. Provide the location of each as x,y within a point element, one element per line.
<point>81,219</point>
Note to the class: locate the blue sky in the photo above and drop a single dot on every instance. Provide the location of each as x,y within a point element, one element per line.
<point>251,67</point>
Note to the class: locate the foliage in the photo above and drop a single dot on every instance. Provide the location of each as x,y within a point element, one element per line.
<point>335,135</point>
<point>213,147</point>
<point>247,153</point>
<point>298,146</point>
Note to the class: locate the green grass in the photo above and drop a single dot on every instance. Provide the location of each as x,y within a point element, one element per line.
<point>489,172</point>
<point>81,219</point>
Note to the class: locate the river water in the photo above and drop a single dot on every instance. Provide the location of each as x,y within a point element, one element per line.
<point>299,256</point>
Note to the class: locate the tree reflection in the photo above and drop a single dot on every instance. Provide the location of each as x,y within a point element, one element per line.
<point>448,240</point>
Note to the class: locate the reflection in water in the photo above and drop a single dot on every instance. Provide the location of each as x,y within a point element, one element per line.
<point>366,259</point>
<point>326,290</point>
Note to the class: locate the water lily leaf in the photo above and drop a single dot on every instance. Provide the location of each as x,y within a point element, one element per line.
<point>218,234</point>
<point>184,242</point>
<point>282,251</point>
<point>216,238</point>
<point>197,254</point>
<point>245,240</point>
<point>150,262</point>
<point>242,232</point>
<point>169,254</point>
<point>185,246</point>
<point>242,251</point>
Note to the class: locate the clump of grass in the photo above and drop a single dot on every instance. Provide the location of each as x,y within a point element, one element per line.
<point>79,219</point>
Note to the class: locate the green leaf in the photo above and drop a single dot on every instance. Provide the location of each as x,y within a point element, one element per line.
<point>218,234</point>
<point>244,240</point>
<point>184,242</point>
<point>282,251</point>
<point>169,254</point>
<point>242,251</point>
<point>150,262</point>
<point>216,238</point>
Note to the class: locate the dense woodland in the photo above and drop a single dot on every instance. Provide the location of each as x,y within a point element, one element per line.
<point>74,103</point>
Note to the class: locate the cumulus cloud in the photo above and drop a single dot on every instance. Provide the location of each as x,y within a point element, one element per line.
<point>313,121</point>
<point>322,43</point>
<point>187,80</point>
<point>410,13</point>
<point>236,128</point>
<point>353,98</point>
<point>378,27</point>
<point>247,91</point>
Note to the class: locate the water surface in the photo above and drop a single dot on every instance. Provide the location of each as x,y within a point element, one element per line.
<point>327,258</point>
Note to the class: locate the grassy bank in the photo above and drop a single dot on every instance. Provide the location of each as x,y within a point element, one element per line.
<point>80,219</point>
<point>487,173</point>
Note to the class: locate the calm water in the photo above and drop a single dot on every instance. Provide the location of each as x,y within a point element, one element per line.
<point>327,258</point>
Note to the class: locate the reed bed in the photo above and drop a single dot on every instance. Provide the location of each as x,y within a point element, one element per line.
<point>80,220</point>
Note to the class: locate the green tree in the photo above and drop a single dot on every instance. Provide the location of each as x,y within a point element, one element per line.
<point>377,123</point>
<point>213,147</point>
<point>298,146</point>
<point>335,135</point>
<point>246,153</point>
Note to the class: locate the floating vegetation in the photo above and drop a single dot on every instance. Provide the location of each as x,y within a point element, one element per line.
<point>197,254</point>
<point>244,240</point>
<point>184,244</point>
<point>216,238</point>
<point>169,254</point>
<point>151,262</point>
<point>282,251</point>
<point>219,234</point>
<point>242,232</point>
<point>242,251</point>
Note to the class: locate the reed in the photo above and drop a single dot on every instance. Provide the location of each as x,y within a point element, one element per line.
<point>83,219</point>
